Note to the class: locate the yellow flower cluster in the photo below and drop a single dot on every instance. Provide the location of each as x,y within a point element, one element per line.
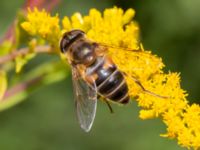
<point>40,23</point>
<point>116,28</point>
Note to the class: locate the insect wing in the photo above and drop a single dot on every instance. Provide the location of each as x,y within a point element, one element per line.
<point>85,101</point>
<point>104,47</point>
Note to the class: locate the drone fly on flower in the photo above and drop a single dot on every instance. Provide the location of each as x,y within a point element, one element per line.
<point>94,74</point>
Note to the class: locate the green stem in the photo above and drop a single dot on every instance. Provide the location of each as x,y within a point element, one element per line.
<point>24,51</point>
<point>44,74</point>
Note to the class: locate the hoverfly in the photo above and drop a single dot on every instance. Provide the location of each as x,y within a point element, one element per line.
<point>94,74</point>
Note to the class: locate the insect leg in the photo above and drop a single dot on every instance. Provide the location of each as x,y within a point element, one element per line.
<point>109,106</point>
<point>145,90</point>
<point>107,102</point>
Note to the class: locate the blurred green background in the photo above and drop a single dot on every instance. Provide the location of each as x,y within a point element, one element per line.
<point>46,120</point>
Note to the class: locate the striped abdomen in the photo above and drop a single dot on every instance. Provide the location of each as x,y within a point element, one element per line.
<point>109,80</point>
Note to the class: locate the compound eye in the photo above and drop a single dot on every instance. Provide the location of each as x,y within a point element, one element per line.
<point>69,38</point>
<point>64,44</point>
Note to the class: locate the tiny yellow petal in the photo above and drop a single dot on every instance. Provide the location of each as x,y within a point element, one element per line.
<point>128,16</point>
<point>66,23</point>
<point>3,83</point>
<point>147,114</point>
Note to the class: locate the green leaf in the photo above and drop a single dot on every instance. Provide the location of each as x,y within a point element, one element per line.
<point>22,37</point>
<point>5,47</point>
<point>14,100</point>
<point>43,75</point>
<point>22,60</point>
<point>3,83</point>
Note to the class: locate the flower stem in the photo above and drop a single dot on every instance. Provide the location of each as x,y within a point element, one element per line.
<point>24,51</point>
<point>21,87</point>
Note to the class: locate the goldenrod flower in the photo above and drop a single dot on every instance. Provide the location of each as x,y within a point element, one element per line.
<point>40,23</point>
<point>117,28</point>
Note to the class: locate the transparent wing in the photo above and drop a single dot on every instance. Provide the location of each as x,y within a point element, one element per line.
<point>143,63</point>
<point>85,101</point>
<point>106,46</point>
<point>103,48</point>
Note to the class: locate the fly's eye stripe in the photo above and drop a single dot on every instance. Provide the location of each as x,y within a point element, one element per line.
<point>67,41</point>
